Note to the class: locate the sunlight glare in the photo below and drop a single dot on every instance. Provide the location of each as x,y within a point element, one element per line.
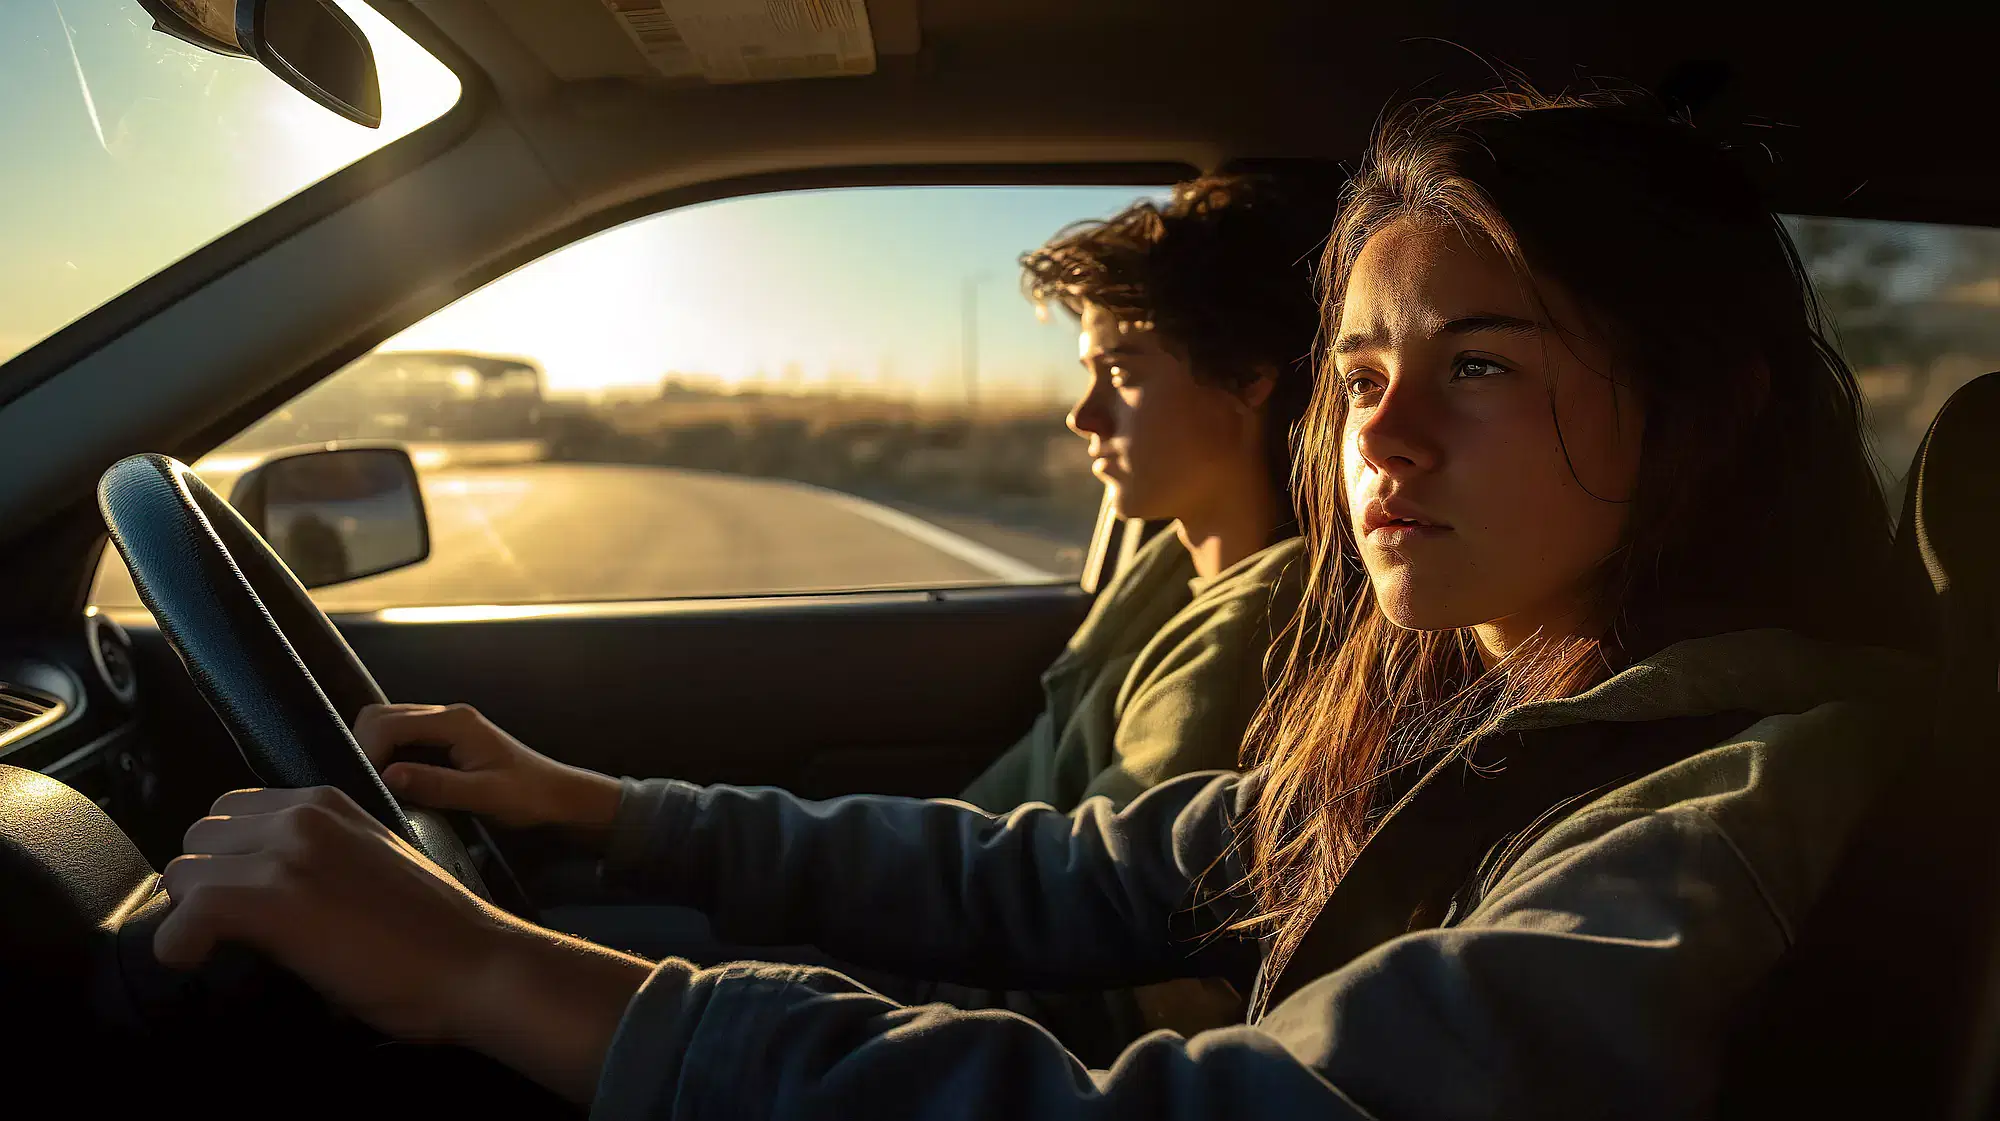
<point>416,89</point>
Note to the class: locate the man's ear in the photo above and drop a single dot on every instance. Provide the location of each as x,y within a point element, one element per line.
<point>1263,382</point>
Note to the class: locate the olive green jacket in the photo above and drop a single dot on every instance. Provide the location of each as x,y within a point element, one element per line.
<point>1591,964</point>
<point>1161,679</point>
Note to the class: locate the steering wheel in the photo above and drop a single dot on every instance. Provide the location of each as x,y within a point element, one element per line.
<point>262,654</point>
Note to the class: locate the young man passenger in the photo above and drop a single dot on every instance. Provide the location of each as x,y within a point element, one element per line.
<point>1197,319</point>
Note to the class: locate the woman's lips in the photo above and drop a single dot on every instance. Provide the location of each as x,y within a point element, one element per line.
<point>1397,533</point>
<point>1392,522</point>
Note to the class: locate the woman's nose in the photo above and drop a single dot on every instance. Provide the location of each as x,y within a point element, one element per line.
<point>1399,435</point>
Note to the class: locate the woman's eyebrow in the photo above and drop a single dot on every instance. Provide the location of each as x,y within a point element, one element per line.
<point>1463,325</point>
<point>1503,324</point>
<point>1353,341</point>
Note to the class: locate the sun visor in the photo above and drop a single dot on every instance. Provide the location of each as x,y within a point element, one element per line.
<point>726,41</point>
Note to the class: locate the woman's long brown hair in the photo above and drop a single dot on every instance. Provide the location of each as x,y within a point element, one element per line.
<point>1755,505</point>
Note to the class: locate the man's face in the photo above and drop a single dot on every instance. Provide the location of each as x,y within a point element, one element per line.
<point>1162,439</point>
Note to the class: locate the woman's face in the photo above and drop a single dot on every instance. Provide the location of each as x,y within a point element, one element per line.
<point>1169,444</point>
<point>1487,463</point>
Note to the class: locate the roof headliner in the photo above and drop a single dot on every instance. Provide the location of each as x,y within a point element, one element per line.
<point>1872,117</point>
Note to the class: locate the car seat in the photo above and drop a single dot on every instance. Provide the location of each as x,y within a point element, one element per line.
<point>1886,1005</point>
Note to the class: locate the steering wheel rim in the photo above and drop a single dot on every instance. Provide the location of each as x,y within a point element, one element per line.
<point>265,658</point>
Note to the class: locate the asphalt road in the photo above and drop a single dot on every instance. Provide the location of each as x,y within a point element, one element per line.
<point>561,532</point>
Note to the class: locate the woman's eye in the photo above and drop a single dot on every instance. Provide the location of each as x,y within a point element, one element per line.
<point>1477,368</point>
<point>1359,385</point>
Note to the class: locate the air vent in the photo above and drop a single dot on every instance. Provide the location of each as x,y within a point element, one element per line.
<point>111,651</point>
<point>23,712</point>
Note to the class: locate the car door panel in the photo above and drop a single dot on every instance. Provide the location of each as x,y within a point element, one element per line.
<point>894,692</point>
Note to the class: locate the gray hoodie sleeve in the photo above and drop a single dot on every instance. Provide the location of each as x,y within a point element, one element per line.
<point>1596,979</point>
<point>1033,899</point>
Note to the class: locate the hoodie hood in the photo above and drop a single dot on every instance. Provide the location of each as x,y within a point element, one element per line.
<point>1767,672</point>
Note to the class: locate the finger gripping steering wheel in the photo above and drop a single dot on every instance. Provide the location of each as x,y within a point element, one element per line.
<point>262,654</point>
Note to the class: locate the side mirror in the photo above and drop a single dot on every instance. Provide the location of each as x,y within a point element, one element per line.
<point>311,44</point>
<point>337,514</point>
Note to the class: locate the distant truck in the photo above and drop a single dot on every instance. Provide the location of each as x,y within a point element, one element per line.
<point>412,395</point>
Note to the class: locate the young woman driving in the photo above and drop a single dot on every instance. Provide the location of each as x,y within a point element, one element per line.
<point>1531,819</point>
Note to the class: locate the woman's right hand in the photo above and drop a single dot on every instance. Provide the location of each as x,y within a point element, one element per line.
<point>491,773</point>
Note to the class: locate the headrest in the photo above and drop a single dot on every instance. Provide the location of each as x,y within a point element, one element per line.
<point>1951,513</point>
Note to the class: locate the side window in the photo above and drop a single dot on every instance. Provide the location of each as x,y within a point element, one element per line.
<point>802,392</point>
<point>1915,310</point>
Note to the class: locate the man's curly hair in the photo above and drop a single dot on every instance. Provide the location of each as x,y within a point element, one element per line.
<point>1224,270</point>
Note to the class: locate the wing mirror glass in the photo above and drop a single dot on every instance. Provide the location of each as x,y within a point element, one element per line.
<point>338,514</point>
<point>311,44</point>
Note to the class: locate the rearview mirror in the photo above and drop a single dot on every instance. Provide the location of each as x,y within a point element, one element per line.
<point>338,514</point>
<point>311,44</point>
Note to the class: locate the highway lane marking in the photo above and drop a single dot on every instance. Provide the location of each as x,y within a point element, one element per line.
<point>475,512</point>
<point>944,541</point>
<point>462,487</point>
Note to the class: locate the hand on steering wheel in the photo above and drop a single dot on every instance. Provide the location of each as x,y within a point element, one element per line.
<point>378,908</point>
<point>329,893</point>
<point>490,772</point>
<point>260,651</point>
<point>323,889</point>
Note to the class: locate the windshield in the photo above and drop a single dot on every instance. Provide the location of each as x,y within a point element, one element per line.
<point>128,149</point>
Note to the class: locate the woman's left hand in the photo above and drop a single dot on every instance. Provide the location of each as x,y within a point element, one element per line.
<point>311,881</point>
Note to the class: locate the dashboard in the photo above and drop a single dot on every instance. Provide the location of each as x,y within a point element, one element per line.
<point>69,709</point>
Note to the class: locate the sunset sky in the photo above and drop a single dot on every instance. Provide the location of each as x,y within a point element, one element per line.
<point>129,150</point>
<point>856,287</point>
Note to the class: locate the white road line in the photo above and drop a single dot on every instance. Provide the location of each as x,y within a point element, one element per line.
<point>474,511</point>
<point>945,541</point>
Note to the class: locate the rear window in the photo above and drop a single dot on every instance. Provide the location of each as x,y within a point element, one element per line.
<point>1916,311</point>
